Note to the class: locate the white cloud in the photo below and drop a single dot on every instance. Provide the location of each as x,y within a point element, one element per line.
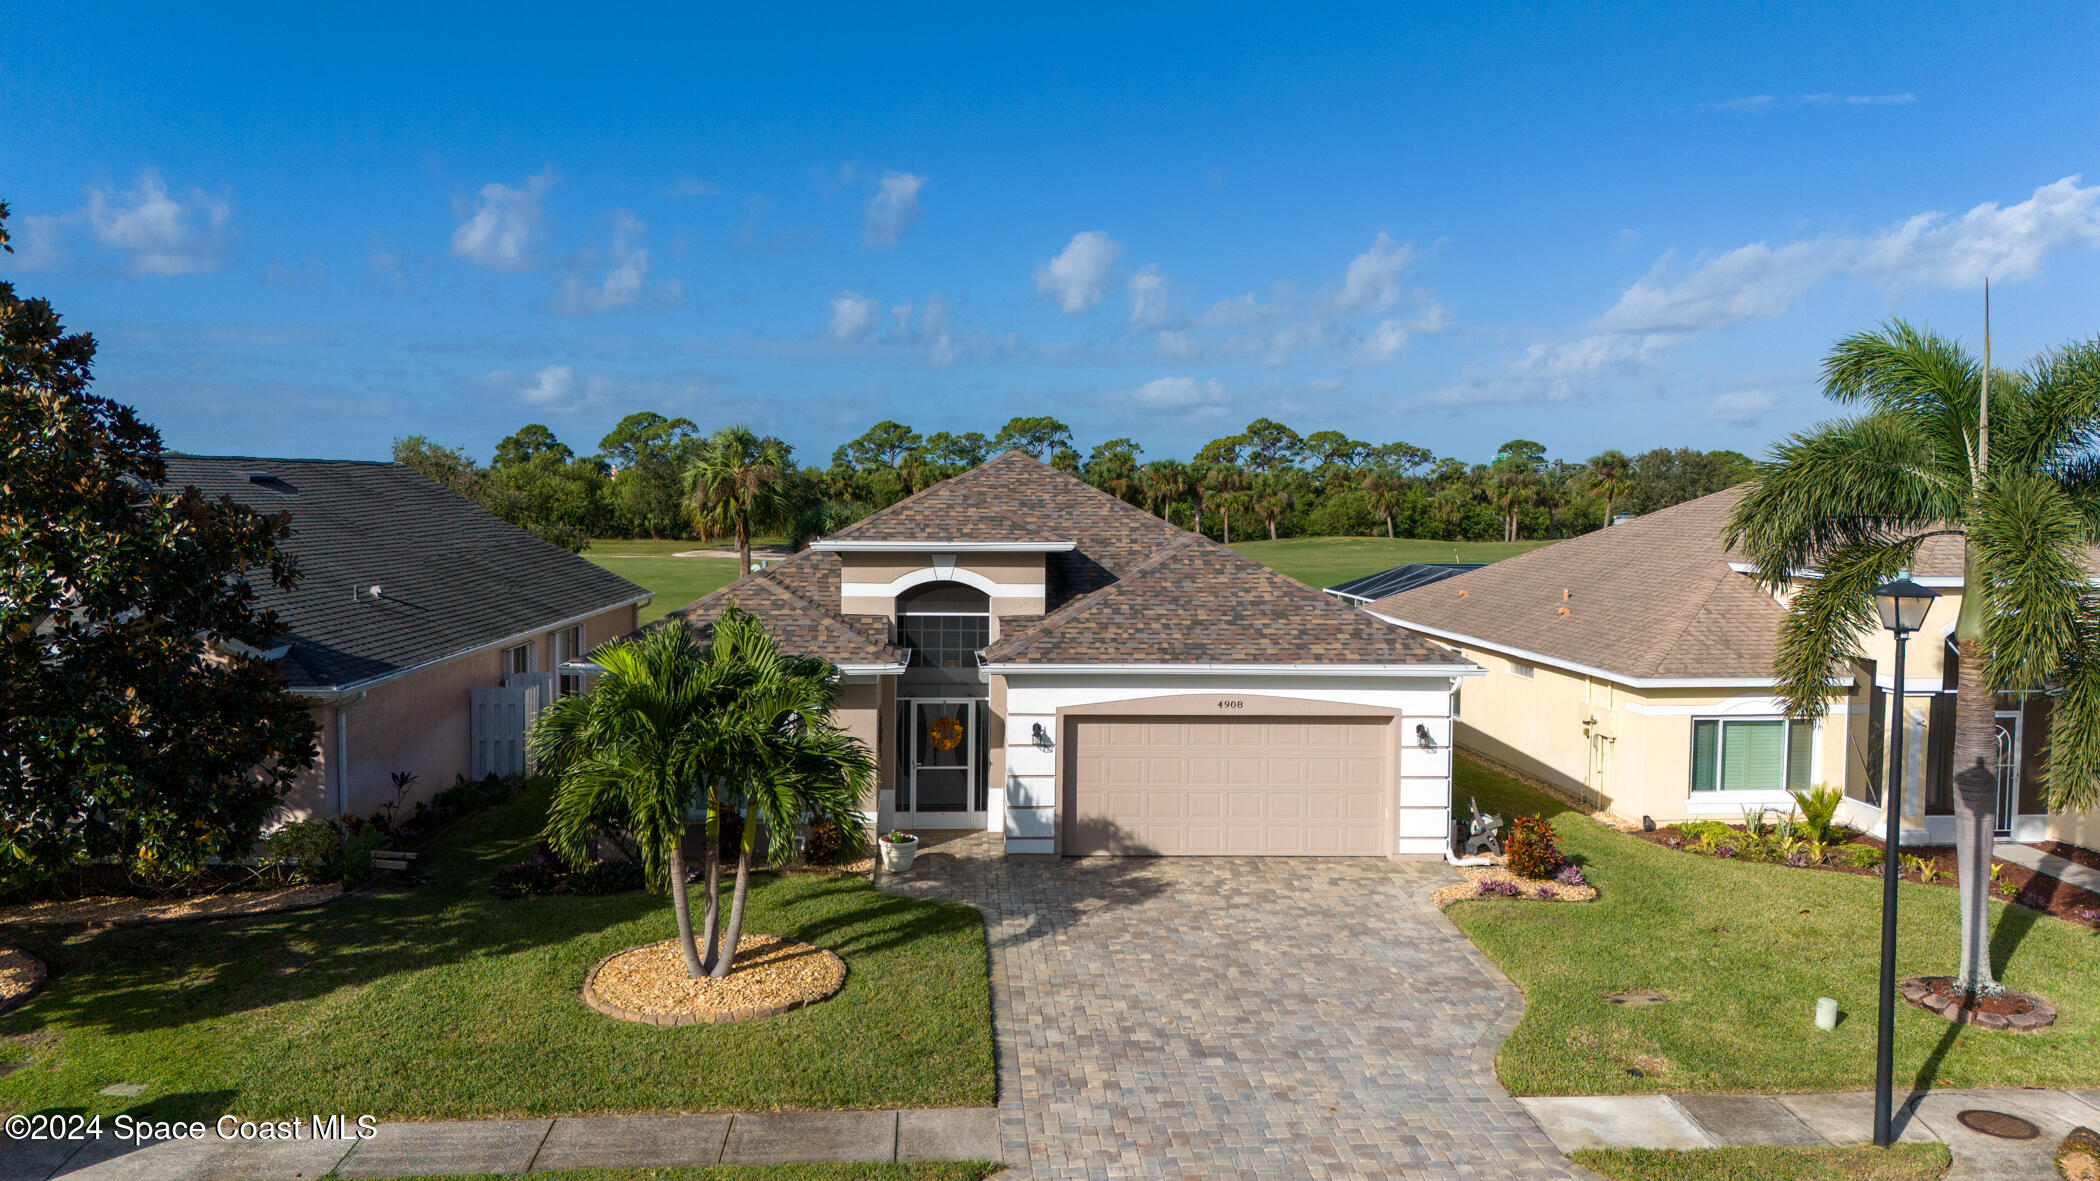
<point>1741,407</point>
<point>1148,297</point>
<point>1758,104</point>
<point>500,232</point>
<point>1860,100</point>
<point>156,233</point>
<point>36,242</point>
<point>893,210</point>
<point>937,329</point>
<point>1239,310</point>
<point>1385,341</point>
<point>1176,343</point>
<point>1373,279</point>
<point>1929,250</point>
<point>853,317</point>
<point>626,279</point>
<point>1751,104</point>
<point>553,386</point>
<point>690,186</point>
<point>1179,393</point>
<point>1078,277</point>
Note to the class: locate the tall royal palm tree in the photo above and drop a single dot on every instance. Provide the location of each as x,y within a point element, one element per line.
<point>736,482</point>
<point>1272,498</point>
<point>792,762</point>
<point>639,746</point>
<point>1222,486</point>
<point>1943,447</point>
<point>1512,486</point>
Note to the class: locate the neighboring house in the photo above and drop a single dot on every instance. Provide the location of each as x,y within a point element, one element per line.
<point>1634,665</point>
<point>415,609</point>
<point>1032,657</point>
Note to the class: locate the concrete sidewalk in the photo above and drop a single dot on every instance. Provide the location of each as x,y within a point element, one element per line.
<point>2063,869</point>
<point>1844,1117</point>
<point>529,1146</point>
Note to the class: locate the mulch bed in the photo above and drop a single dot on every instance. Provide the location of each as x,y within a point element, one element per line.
<point>2032,890</point>
<point>21,975</point>
<point>2083,856</point>
<point>771,975</point>
<point>2011,1011</point>
<point>110,910</point>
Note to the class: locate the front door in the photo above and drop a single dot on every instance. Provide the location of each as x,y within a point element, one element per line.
<point>2011,823</point>
<point>941,787</point>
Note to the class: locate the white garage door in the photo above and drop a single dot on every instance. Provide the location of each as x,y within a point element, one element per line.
<point>1276,787</point>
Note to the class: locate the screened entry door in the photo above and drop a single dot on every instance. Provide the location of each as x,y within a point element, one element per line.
<point>943,785</point>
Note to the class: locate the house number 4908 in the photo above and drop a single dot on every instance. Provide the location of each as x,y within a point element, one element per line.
<point>1232,705</point>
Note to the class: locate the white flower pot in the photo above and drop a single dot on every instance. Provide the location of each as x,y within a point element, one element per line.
<point>897,855</point>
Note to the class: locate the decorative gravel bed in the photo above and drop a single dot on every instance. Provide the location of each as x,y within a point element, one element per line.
<point>21,974</point>
<point>108,910</point>
<point>1474,875</point>
<point>772,975</point>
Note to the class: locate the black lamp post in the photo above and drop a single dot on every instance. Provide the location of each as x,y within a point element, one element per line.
<point>1903,605</point>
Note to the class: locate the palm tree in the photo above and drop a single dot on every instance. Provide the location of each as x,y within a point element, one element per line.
<point>1222,487</point>
<point>1272,498</point>
<point>1511,489</point>
<point>1946,448</point>
<point>1611,477</point>
<point>1387,495</point>
<point>791,763</point>
<point>638,747</point>
<point>735,482</point>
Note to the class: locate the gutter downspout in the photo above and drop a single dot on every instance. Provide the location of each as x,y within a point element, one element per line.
<point>342,752</point>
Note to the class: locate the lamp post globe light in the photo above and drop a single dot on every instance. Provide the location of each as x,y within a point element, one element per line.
<point>1903,605</point>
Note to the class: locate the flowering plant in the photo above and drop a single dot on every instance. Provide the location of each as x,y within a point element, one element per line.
<point>898,836</point>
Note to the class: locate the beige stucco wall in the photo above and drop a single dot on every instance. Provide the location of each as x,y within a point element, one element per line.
<point>1015,582</point>
<point>416,723</point>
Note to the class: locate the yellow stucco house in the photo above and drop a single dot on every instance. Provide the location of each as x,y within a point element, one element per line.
<point>1632,666</point>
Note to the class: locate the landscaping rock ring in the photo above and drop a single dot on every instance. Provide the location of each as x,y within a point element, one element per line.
<point>648,984</point>
<point>21,976</point>
<point>2011,1011</point>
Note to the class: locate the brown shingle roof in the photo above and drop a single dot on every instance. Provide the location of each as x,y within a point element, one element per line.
<point>1652,598</point>
<point>1134,590</point>
<point>1197,602</point>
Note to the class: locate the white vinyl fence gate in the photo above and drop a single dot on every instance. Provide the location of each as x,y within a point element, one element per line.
<point>499,720</point>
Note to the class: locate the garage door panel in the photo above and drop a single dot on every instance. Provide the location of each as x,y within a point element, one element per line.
<point>1240,787</point>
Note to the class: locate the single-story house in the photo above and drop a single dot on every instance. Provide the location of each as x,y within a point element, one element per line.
<point>1032,657</point>
<point>424,630</point>
<point>1633,666</point>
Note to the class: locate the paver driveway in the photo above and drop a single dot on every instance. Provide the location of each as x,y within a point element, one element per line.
<point>1230,1017</point>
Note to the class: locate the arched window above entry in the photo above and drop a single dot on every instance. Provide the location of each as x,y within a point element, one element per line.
<point>945,624</point>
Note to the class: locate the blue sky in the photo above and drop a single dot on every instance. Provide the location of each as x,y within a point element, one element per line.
<point>306,231</point>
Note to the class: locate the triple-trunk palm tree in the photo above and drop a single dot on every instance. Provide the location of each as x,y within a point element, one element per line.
<point>675,729</point>
<point>1945,448</point>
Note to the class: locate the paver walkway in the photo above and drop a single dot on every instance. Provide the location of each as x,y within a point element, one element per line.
<point>525,1146</point>
<point>2063,869</point>
<point>1226,1017</point>
<point>1844,1117</point>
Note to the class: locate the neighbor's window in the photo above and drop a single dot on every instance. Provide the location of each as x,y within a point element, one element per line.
<point>1518,668</point>
<point>518,659</point>
<point>568,646</point>
<point>1751,754</point>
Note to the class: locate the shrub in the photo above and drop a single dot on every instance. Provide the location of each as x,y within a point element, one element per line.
<point>607,877</point>
<point>1819,808</point>
<point>1497,888</point>
<point>1713,832</point>
<point>524,879</point>
<point>822,845</point>
<point>301,851</point>
<point>1571,875</point>
<point>1926,871</point>
<point>1534,848</point>
<point>1863,857</point>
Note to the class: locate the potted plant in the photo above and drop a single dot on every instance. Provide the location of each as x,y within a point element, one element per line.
<point>898,849</point>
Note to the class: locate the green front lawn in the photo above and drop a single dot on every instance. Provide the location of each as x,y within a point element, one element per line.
<point>1325,561</point>
<point>914,1171</point>
<point>1745,949</point>
<point>1898,1162</point>
<point>444,1001</point>
<point>676,581</point>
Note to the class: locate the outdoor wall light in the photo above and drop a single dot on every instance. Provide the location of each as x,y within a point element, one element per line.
<point>1042,737</point>
<point>1422,736</point>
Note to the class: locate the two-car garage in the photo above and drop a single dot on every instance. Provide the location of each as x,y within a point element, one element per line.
<point>1240,786</point>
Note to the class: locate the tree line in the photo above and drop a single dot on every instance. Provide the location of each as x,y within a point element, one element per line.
<point>658,477</point>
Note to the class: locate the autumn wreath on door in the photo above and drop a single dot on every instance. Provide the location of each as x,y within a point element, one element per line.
<point>945,733</point>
